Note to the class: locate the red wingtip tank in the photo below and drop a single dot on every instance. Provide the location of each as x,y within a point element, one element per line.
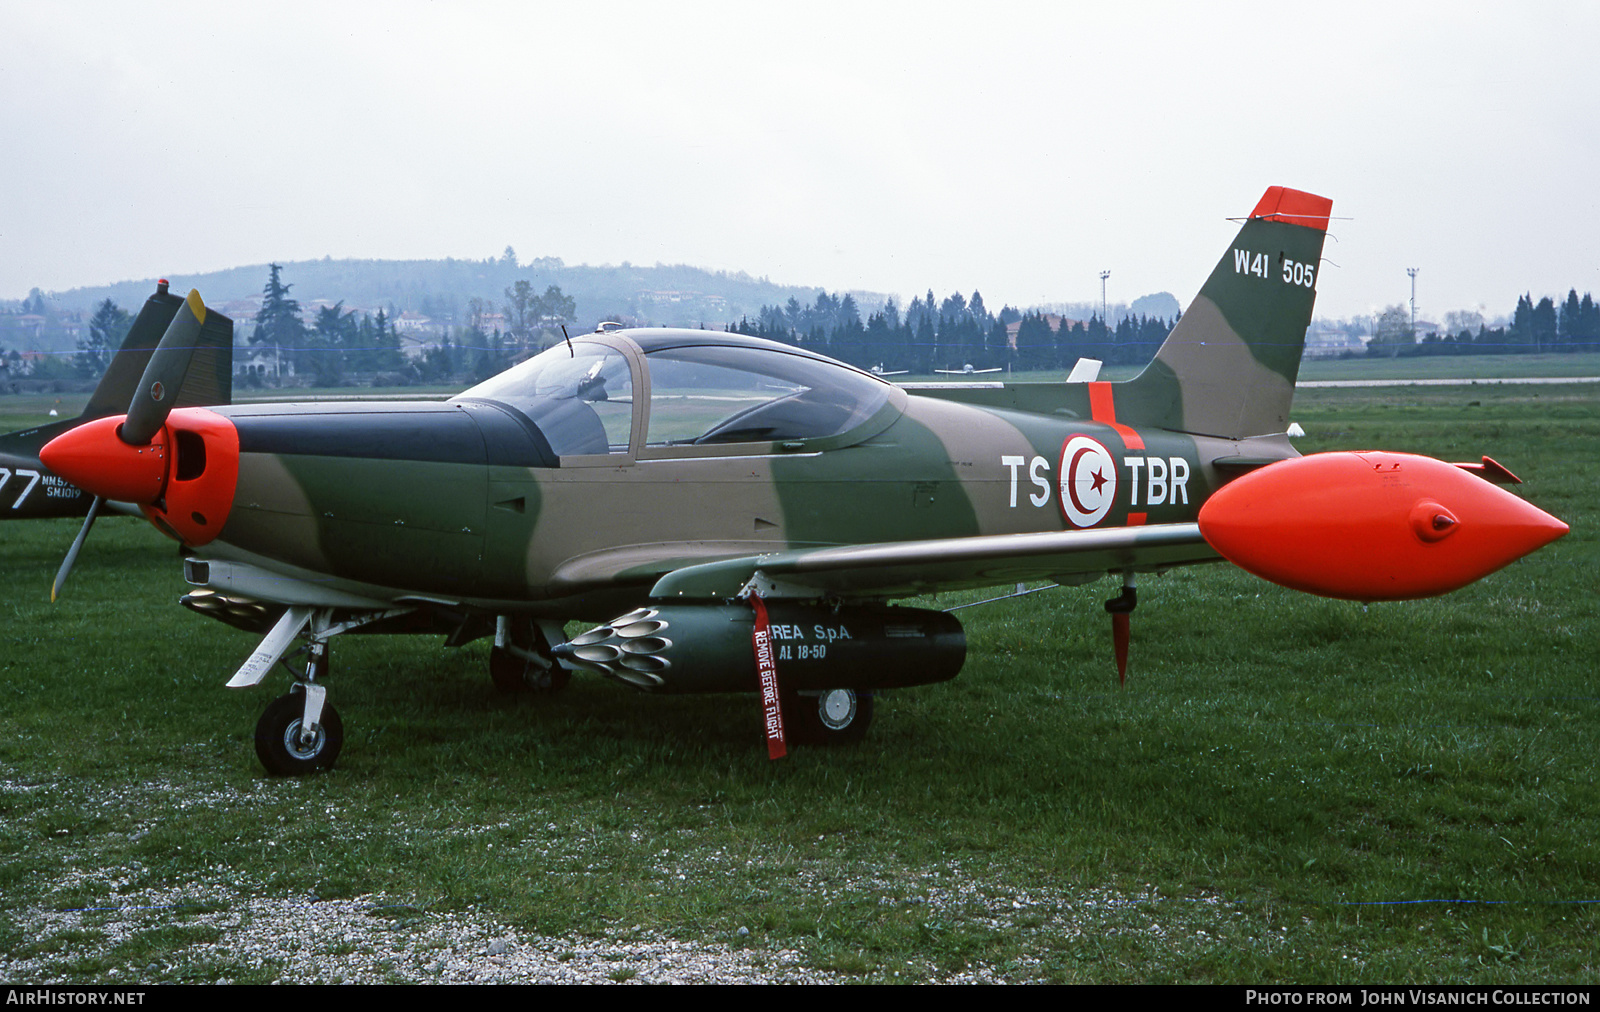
<point>1372,526</point>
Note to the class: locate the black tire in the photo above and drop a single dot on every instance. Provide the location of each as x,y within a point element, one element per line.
<point>836,717</point>
<point>278,738</point>
<point>513,674</point>
<point>507,671</point>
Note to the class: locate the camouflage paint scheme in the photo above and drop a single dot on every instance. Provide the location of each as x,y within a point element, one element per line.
<point>927,473</point>
<point>462,517</point>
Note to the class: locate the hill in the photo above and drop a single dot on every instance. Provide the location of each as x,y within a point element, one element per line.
<point>666,295</point>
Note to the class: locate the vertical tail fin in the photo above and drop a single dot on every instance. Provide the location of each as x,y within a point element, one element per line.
<point>210,379</point>
<point>1228,367</point>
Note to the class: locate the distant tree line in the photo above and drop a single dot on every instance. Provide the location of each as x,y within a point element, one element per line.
<point>952,334</point>
<point>1535,327</point>
<point>335,345</point>
<point>340,347</point>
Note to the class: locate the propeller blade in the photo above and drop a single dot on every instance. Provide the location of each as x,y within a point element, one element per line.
<point>72,553</point>
<point>163,378</point>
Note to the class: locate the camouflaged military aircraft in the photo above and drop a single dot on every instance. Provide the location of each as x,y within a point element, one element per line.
<point>737,513</point>
<point>30,491</point>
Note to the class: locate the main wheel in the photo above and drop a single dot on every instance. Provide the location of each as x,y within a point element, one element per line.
<point>836,717</point>
<point>278,743</point>
<point>512,673</point>
<point>518,674</point>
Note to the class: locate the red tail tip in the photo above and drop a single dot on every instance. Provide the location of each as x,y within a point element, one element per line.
<point>1296,207</point>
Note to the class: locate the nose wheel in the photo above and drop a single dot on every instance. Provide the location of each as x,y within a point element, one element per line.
<point>290,746</point>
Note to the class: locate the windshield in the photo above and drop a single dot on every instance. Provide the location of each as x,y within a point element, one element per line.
<point>580,397</point>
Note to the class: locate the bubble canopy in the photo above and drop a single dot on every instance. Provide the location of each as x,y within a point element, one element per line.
<point>704,390</point>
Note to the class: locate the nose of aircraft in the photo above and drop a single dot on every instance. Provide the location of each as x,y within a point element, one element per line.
<point>184,478</point>
<point>94,458</point>
<point>1371,526</point>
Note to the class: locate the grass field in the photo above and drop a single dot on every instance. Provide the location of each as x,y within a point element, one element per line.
<point>1288,789</point>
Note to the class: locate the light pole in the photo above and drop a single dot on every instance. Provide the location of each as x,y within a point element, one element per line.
<point>1106,322</point>
<point>1412,273</point>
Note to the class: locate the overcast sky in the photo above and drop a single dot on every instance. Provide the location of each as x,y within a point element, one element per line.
<point>1015,148</point>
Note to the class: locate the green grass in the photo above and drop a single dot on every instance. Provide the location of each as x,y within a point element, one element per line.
<point>1287,789</point>
<point>1453,367</point>
<point>1464,367</point>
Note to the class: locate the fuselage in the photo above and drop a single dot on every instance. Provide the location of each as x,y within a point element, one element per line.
<point>28,489</point>
<point>466,501</point>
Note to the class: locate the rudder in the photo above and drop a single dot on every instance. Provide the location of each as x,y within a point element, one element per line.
<point>1229,365</point>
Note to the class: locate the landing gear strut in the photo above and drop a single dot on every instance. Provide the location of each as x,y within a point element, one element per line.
<point>299,732</point>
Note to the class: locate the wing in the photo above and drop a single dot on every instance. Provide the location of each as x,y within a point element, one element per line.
<point>906,568</point>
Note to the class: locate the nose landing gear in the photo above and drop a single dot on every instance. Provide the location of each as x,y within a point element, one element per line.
<point>288,746</point>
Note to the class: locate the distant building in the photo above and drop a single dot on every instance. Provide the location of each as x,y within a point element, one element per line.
<point>1053,319</point>
<point>414,323</point>
<point>1324,341</point>
<point>415,345</point>
<point>261,363</point>
<point>710,305</point>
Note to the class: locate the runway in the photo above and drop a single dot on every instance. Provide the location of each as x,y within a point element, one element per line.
<point>1311,384</point>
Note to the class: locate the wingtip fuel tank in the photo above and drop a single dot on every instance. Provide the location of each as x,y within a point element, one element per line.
<point>1372,526</point>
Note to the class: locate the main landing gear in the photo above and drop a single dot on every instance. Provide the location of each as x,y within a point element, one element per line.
<point>520,660</point>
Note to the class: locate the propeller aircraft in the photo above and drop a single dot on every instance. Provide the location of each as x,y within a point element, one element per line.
<point>737,514</point>
<point>966,370</point>
<point>29,490</point>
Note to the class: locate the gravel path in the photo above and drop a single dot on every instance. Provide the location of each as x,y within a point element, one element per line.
<point>366,940</point>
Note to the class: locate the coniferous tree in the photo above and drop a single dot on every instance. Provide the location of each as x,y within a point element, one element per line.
<point>1521,330</point>
<point>1587,329</point>
<point>925,343</point>
<point>332,344</point>
<point>107,329</point>
<point>278,325</point>
<point>1544,324</point>
<point>1567,322</point>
